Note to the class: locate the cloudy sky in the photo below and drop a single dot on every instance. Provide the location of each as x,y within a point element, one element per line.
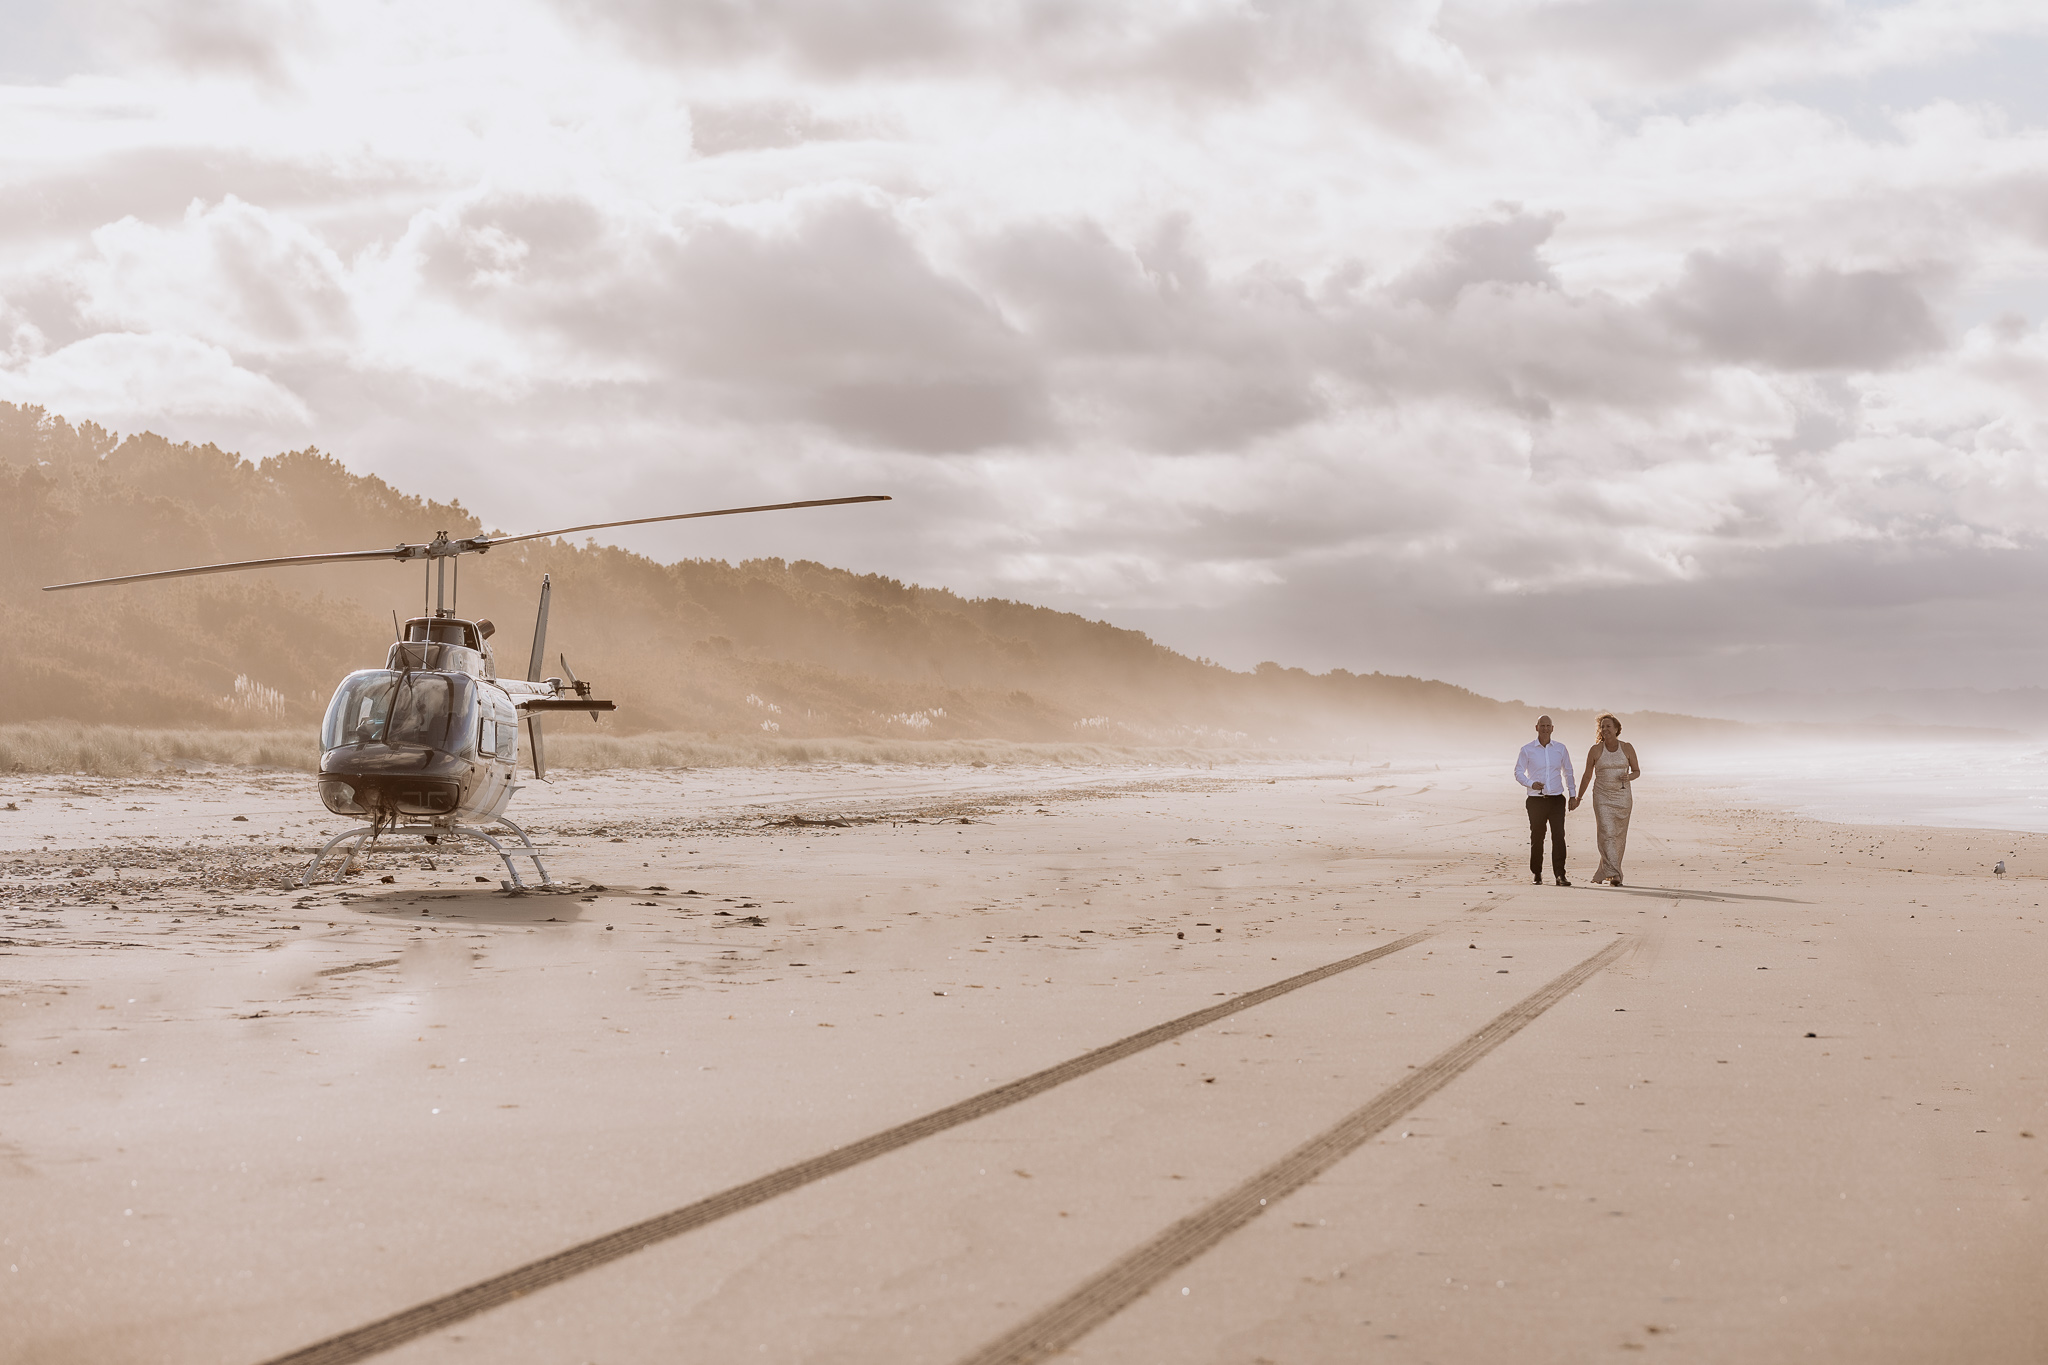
<point>1587,351</point>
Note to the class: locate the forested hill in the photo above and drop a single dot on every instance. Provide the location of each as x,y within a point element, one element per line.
<point>797,649</point>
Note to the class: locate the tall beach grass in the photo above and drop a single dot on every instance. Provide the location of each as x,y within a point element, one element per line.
<point>590,752</point>
<point>127,751</point>
<point>124,751</point>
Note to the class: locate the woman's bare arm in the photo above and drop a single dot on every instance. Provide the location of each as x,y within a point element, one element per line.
<point>1635,769</point>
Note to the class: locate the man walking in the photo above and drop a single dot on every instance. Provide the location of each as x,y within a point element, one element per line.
<point>1545,771</point>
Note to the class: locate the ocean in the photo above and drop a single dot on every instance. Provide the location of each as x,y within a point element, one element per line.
<point>1975,785</point>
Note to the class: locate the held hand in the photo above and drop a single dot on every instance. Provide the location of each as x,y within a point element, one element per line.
<point>1574,803</point>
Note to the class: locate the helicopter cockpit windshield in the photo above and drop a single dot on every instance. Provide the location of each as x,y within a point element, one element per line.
<point>383,706</point>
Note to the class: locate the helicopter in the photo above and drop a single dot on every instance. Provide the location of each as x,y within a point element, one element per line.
<point>429,743</point>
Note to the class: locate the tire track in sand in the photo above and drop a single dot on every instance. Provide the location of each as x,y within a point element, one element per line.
<point>1125,1281</point>
<point>388,1332</point>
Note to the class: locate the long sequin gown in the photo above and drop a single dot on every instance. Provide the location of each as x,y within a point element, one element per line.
<point>1613,802</point>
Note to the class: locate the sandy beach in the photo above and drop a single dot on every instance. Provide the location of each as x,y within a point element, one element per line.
<point>1791,1106</point>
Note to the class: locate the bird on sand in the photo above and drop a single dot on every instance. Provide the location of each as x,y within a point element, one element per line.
<point>1999,868</point>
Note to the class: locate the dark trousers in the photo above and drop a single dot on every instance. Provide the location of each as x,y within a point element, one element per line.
<point>1546,810</point>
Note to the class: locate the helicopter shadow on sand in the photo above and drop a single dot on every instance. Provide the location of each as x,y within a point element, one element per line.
<point>479,905</point>
<point>1688,894</point>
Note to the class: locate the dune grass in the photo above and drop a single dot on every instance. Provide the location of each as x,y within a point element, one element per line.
<point>126,751</point>
<point>592,752</point>
<point>129,751</point>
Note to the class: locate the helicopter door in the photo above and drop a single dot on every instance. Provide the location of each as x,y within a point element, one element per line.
<point>499,739</point>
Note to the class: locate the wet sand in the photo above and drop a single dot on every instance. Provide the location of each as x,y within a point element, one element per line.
<point>1802,1114</point>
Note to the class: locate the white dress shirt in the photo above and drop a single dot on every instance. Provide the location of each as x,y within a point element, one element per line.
<point>1550,764</point>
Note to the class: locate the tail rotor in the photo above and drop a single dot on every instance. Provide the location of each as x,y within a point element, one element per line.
<point>576,684</point>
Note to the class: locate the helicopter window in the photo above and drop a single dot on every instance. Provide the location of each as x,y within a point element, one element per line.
<point>461,707</point>
<point>377,706</point>
<point>421,630</point>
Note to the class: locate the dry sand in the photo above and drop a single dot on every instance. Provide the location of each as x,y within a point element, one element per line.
<point>1799,1117</point>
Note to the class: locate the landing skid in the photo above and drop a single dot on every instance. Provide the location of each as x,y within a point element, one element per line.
<point>432,833</point>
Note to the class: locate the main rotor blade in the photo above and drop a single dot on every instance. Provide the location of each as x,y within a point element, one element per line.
<point>341,557</point>
<point>688,516</point>
<point>444,548</point>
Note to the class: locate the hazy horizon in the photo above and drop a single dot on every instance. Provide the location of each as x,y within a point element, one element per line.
<point>1591,353</point>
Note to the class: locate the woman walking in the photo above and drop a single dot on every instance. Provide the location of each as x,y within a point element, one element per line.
<point>1610,767</point>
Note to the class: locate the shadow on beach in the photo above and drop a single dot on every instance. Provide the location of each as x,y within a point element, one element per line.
<point>481,905</point>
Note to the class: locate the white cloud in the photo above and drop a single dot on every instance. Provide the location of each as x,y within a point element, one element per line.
<point>231,273</point>
<point>128,380</point>
<point>1648,48</point>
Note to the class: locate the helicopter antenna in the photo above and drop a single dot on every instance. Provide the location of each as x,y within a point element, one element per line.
<point>441,548</point>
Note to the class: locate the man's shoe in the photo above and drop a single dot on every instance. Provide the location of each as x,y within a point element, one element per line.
<point>1561,881</point>
<point>1539,878</point>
